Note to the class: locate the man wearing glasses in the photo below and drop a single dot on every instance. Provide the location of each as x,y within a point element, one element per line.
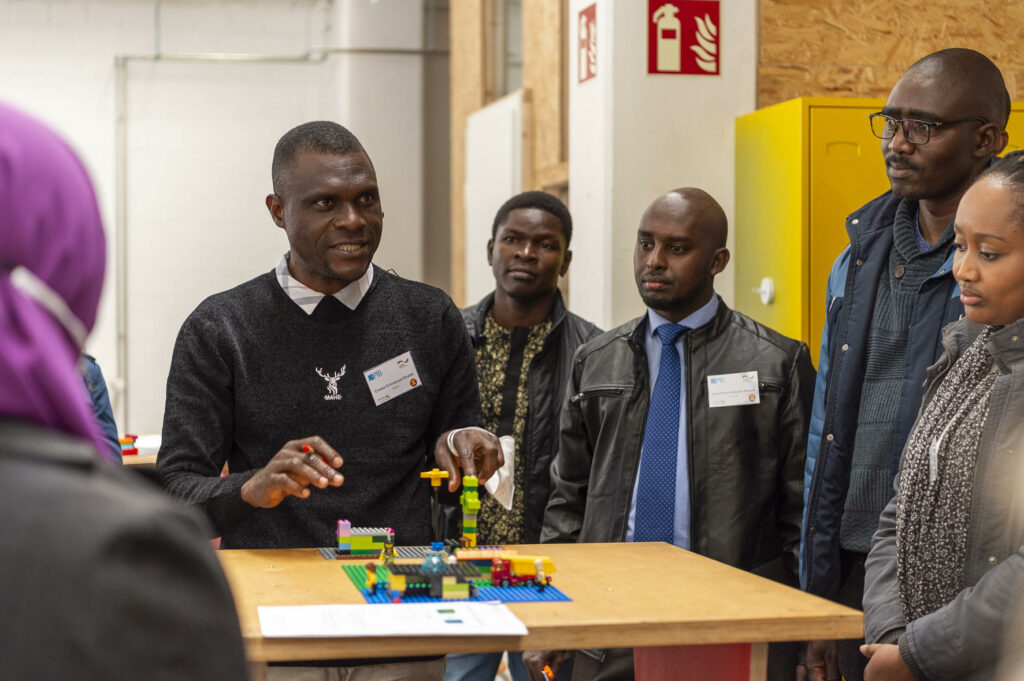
<point>889,295</point>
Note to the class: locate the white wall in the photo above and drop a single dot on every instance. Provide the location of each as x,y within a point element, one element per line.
<point>436,150</point>
<point>198,170</point>
<point>380,98</point>
<point>590,173</point>
<point>200,136</point>
<point>634,136</point>
<point>56,62</point>
<point>494,173</point>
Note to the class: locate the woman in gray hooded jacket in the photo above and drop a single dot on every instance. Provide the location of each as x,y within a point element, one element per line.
<point>947,563</point>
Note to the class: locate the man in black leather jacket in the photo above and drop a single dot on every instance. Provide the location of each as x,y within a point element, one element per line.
<point>741,464</point>
<point>523,342</point>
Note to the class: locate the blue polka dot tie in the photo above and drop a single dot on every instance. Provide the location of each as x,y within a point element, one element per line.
<point>656,489</point>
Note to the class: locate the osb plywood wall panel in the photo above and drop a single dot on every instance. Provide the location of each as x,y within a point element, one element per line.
<point>860,48</point>
<point>542,77</point>
<point>467,18</point>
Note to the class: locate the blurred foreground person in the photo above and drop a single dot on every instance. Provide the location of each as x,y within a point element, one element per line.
<point>946,563</point>
<point>102,578</point>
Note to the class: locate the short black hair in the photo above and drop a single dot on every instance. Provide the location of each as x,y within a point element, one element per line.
<point>325,137</point>
<point>549,203</point>
<point>1009,170</point>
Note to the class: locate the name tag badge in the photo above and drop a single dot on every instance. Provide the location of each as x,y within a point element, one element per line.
<point>730,390</point>
<point>394,377</point>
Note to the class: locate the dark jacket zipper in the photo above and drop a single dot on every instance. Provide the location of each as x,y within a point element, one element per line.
<point>596,392</point>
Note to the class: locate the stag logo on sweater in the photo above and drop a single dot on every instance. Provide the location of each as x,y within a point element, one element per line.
<point>332,382</point>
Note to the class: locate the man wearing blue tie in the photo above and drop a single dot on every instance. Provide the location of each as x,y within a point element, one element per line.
<point>686,425</point>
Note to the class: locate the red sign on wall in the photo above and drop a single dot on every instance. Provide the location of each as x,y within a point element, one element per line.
<point>587,49</point>
<point>683,36</point>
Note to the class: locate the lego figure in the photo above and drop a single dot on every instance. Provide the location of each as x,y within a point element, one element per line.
<point>540,578</point>
<point>387,556</point>
<point>371,577</point>
<point>470,507</point>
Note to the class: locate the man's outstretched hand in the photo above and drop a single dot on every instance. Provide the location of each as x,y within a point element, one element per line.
<point>299,464</point>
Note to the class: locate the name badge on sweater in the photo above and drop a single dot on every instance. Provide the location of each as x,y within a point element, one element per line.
<point>730,390</point>
<point>394,377</point>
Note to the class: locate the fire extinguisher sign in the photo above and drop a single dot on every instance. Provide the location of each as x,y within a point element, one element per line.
<point>683,36</point>
<point>587,43</point>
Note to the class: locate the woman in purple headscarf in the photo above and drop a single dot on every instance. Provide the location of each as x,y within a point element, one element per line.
<point>52,256</point>
<point>101,577</point>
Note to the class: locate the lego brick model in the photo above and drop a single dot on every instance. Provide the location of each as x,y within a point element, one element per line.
<point>513,570</point>
<point>447,570</point>
<point>463,574</point>
<point>447,582</point>
<point>416,589</point>
<point>470,501</point>
<point>362,542</point>
<point>128,445</point>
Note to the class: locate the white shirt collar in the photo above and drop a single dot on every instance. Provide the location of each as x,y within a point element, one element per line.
<point>308,299</point>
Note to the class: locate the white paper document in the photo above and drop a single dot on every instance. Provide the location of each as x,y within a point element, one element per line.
<point>412,619</point>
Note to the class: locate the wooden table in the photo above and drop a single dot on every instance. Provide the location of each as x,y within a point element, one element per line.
<point>696,618</point>
<point>140,460</point>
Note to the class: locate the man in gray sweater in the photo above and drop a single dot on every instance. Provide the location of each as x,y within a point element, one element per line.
<point>325,360</point>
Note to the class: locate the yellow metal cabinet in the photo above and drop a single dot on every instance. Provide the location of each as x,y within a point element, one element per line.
<point>802,166</point>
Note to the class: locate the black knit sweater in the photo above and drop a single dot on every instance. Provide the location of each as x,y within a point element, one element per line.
<point>244,381</point>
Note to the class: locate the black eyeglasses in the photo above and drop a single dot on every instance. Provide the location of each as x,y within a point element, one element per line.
<point>915,131</point>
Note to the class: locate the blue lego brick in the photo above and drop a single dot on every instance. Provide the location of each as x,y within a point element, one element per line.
<point>507,594</point>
